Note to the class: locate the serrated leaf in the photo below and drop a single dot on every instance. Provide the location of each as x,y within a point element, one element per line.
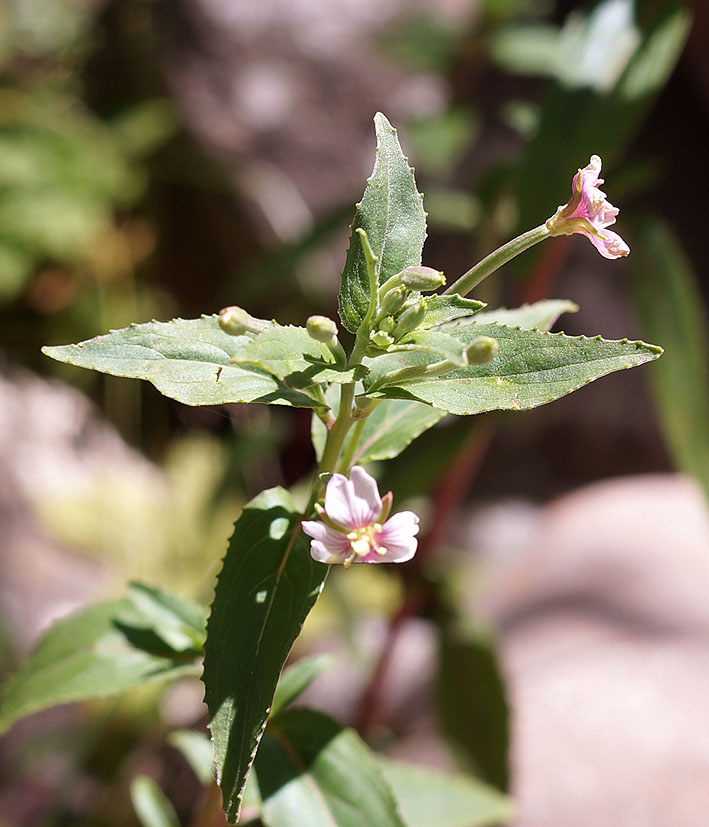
<point>267,586</point>
<point>292,355</point>
<point>313,772</point>
<point>89,654</point>
<point>442,309</point>
<point>530,369</point>
<point>540,315</point>
<point>429,797</point>
<point>391,427</point>
<point>297,678</point>
<point>186,359</point>
<point>391,212</point>
<point>152,807</point>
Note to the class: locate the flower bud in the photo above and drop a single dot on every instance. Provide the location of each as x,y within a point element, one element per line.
<point>387,324</point>
<point>321,328</point>
<point>410,318</point>
<point>481,350</point>
<point>381,338</point>
<point>422,278</point>
<point>394,300</point>
<point>236,321</point>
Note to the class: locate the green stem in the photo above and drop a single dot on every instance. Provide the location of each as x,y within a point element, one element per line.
<point>346,460</point>
<point>413,372</point>
<point>496,259</point>
<point>345,418</point>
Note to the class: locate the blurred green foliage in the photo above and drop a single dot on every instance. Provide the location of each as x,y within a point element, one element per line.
<point>79,232</point>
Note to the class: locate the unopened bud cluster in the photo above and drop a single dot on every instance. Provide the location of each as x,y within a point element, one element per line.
<point>401,306</point>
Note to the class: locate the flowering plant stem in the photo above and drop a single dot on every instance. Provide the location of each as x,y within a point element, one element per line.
<point>496,259</point>
<point>337,434</point>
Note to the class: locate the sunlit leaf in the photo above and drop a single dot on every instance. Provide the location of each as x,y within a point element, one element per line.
<point>530,369</point>
<point>313,772</point>
<point>186,359</point>
<point>429,797</point>
<point>391,212</point>
<point>267,586</point>
<point>93,653</point>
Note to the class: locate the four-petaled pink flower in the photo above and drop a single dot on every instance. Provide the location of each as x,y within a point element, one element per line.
<point>354,527</point>
<point>589,213</point>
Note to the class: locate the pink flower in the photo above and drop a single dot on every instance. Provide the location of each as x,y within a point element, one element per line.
<point>353,527</point>
<point>588,213</point>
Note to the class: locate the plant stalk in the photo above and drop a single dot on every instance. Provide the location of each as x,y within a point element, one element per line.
<point>496,259</point>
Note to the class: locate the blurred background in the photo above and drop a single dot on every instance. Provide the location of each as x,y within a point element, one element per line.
<point>163,158</point>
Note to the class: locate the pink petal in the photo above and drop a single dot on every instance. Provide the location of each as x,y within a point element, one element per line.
<point>398,536</point>
<point>327,545</point>
<point>367,491</point>
<point>611,246</point>
<point>353,503</point>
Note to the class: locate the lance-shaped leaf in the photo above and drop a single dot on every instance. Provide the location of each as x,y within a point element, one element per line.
<point>186,359</point>
<point>95,653</point>
<point>297,678</point>
<point>470,678</point>
<point>391,212</point>
<point>540,315</point>
<point>669,304</point>
<point>530,369</point>
<point>291,354</point>
<point>267,586</point>
<point>441,309</point>
<point>429,797</point>
<point>152,807</point>
<point>313,772</point>
<point>171,621</point>
<point>390,428</point>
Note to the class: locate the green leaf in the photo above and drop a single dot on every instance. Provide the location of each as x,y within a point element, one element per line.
<point>291,354</point>
<point>267,586</point>
<point>90,654</point>
<point>151,805</point>
<point>531,369</point>
<point>441,309</point>
<point>669,304</point>
<point>297,678</point>
<point>538,316</point>
<point>186,359</point>
<point>313,772</point>
<point>391,212</point>
<point>441,345</point>
<point>390,428</point>
<point>469,679</point>
<point>197,751</point>
<point>429,797</point>
<point>177,623</point>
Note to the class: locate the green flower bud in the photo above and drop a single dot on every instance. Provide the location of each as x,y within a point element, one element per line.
<point>381,338</point>
<point>236,321</point>
<point>481,350</point>
<point>387,324</point>
<point>321,328</point>
<point>410,318</point>
<point>422,278</point>
<point>394,300</point>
